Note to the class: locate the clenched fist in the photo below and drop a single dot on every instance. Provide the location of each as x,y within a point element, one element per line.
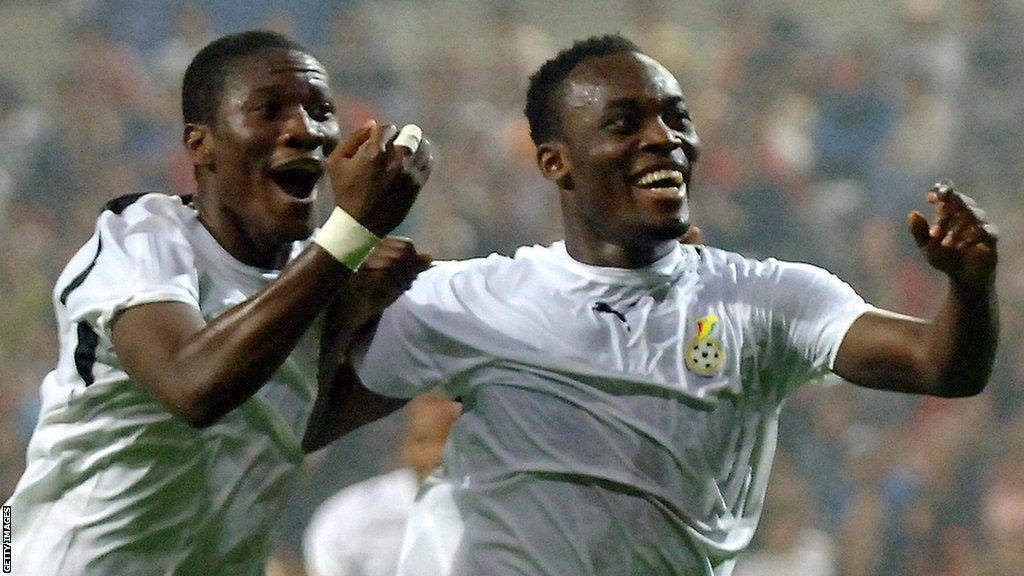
<point>387,272</point>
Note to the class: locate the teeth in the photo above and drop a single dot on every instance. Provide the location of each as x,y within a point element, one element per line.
<point>674,176</point>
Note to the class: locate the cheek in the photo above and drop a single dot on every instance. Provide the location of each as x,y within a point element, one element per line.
<point>607,161</point>
<point>332,136</point>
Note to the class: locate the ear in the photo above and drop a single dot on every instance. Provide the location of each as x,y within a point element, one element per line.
<point>198,141</point>
<point>554,163</point>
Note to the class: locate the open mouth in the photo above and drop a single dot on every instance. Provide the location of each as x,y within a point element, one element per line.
<point>665,182</point>
<point>298,178</point>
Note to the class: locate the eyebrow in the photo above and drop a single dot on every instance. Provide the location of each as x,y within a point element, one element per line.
<point>627,101</point>
<point>271,88</point>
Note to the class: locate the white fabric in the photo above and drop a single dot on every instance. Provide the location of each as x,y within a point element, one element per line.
<point>114,483</point>
<point>813,553</point>
<point>586,444</point>
<point>358,531</point>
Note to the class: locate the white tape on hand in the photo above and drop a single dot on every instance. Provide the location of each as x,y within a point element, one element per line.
<point>343,237</point>
<point>410,137</point>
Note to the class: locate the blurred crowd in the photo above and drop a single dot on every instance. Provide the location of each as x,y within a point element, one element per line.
<point>816,145</point>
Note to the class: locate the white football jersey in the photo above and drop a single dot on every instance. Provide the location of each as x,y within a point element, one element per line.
<point>358,531</point>
<point>614,422</point>
<point>114,483</point>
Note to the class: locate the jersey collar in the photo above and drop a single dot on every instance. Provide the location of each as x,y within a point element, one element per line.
<point>678,261</point>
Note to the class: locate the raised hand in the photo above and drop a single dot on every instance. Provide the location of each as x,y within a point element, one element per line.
<point>387,272</point>
<point>375,181</point>
<point>961,242</point>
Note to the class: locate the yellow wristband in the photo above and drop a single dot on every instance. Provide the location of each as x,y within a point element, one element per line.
<point>343,237</point>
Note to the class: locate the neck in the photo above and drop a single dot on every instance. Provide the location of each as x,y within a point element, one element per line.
<point>228,229</point>
<point>595,251</point>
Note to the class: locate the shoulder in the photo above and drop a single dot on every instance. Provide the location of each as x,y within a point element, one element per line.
<point>731,265</point>
<point>141,241</point>
<point>145,214</point>
<point>462,278</point>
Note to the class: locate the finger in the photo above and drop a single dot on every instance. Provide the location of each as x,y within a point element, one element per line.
<point>423,159</point>
<point>409,138</point>
<point>400,255</point>
<point>944,187</point>
<point>383,136</point>
<point>919,228</point>
<point>947,203</point>
<point>983,234</point>
<point>968,236</point>
<point>351,144</point>
<point>694,235</point>
<point>954,234</point>
<point>387,250</point>
<point>423,162</point>
<point>966,223</point>
<point>962,216</point>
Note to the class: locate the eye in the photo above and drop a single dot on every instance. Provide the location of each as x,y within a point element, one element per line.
<point>321,110</point>
<point>621,124</point>
<point>679,120</point>
<point>269,109</point>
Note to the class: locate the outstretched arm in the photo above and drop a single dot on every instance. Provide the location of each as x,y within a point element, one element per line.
<point>952,354</point>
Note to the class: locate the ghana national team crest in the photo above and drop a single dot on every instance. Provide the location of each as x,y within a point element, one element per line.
<point>704,354</point>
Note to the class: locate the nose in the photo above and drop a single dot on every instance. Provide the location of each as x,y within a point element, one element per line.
<point>302,131</point>
<point>660,136</point>
<point>657,136</point>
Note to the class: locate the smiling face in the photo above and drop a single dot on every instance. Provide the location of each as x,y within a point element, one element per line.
<point>259,166</point>
<point>624,159</point>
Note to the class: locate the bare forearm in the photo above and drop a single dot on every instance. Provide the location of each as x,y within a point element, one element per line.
<point>211,369</point>
<point>951,355</point>
<point>236,353</point>
<point>963,339</point>
<point>343,405</point>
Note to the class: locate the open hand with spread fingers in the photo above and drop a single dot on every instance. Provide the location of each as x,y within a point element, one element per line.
<point>960,242</point>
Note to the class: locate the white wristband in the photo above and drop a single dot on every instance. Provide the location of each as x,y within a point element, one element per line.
<point>343,237</point>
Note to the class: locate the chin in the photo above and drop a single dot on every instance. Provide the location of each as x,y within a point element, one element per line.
<point>292,231</point>
<point>669,230</point>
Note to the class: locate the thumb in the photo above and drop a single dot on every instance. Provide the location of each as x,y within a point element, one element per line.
<point>351,144</point>
<point>918,228</point>
<point>693,236</point>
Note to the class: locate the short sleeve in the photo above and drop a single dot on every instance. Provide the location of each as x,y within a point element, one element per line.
<point>421,340</point>
<point>138,257</point>
<point>808,312</point>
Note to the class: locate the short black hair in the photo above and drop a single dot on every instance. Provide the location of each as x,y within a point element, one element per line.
<point>546,84</point>
<point>203,85</point>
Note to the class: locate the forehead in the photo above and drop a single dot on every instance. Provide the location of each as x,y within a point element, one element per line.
<point>624,75</point>
<point>275,67</point>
